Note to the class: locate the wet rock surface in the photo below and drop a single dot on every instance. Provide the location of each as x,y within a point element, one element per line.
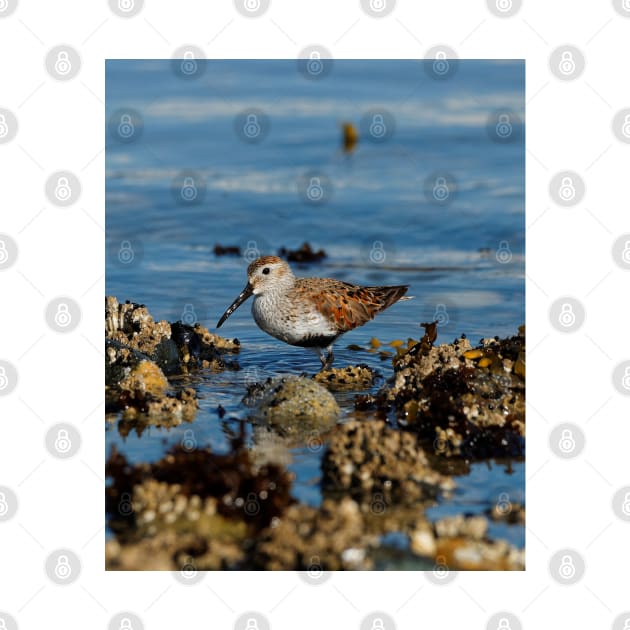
<point>369,457</point>
<point>383,465</point>
<point>464,401</point>
<point>350,378</point>
<point>292,404</point>
<point>140,355</point>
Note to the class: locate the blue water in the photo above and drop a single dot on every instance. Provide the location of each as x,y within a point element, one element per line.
<point>379,221</point>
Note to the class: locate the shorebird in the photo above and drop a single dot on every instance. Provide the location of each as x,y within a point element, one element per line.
<point>309,312</point>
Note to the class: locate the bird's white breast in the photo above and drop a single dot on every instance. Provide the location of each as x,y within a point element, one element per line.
<point>289,321</point>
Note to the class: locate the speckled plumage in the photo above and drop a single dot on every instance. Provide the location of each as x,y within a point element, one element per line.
<point>309,312</point>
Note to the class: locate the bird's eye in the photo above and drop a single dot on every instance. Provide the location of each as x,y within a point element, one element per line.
<point>266,270</point>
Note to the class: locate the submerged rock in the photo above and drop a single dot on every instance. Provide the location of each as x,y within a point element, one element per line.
<point>294,405</point>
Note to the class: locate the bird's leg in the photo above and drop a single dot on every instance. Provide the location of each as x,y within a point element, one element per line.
<point>326,360</point>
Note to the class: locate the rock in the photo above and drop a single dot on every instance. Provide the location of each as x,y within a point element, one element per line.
<point>330,538</point>
<point>369,457</point>
<point>352,377</point>
<point>294,405</point>
<point>464,401</point>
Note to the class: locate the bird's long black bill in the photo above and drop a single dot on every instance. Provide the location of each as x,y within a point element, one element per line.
<point>245,293</point>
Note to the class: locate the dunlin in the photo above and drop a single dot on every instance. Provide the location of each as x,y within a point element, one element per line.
<point>309,312</point>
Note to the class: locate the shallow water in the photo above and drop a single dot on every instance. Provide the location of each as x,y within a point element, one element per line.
<point>252,195</point>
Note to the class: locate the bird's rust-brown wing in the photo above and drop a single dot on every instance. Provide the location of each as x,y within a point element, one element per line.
<point>345,305</point>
